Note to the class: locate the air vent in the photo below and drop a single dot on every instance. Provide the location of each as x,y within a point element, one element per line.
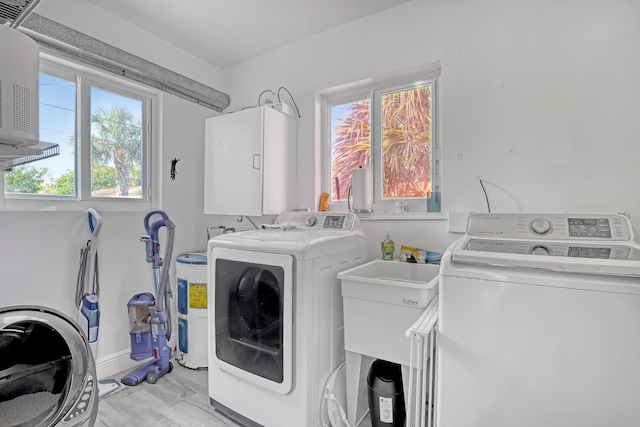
<point>15,11</point>
<point>22,103</point>
<point>10,9</point>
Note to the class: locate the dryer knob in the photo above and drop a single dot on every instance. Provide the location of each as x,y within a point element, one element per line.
<point>311,221</point>
<point>540,226</point>
<point>540,250</point>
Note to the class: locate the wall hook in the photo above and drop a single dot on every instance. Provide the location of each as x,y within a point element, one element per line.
<point>173,168</point>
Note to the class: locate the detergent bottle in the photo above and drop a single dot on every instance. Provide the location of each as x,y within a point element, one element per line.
<point>388,248</point>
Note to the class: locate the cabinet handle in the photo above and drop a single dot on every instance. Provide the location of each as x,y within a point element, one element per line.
<point>256,161</point>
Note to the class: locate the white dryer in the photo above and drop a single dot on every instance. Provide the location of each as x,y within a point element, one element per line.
<point>540,323</point>
<point>275,316</point>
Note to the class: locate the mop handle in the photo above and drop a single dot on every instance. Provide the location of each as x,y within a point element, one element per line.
<point>95,221</point>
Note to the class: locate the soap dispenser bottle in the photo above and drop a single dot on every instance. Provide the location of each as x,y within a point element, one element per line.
<point>387,248</point>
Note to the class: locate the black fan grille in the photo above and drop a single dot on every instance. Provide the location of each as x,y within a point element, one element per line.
<point>11,9</point>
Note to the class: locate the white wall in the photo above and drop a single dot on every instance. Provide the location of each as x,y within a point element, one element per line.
<point>40,251</point>
<point>93,21</point>
<point>539,99</point>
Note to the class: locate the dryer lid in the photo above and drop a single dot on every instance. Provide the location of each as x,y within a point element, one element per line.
<point>299,243</point>
<point>306,235</point>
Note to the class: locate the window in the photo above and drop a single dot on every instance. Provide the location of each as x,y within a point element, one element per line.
<point>388,126</point>
<point>116,145</point>
<point>101,125</point>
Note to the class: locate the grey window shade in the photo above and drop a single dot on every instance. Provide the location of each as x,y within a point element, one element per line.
<point>62,41</point>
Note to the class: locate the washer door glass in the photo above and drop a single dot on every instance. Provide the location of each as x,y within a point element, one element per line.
<point>44,365</point>
<point>35,366</point>
<point>251,297</point>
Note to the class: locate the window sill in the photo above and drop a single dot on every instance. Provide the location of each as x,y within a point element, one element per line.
<point>403,216</point>
<point>18,204</point>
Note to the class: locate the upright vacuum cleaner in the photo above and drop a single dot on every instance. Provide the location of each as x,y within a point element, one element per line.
<point>150,315</point>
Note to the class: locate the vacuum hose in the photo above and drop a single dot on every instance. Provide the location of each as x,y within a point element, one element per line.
<point>163,289</point>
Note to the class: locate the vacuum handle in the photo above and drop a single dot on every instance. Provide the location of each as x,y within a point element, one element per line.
<point>152,229</point>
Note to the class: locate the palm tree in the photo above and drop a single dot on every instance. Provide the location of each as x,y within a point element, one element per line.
<point>406,144</point>
<point>351,147</point>
<point>117,138</point>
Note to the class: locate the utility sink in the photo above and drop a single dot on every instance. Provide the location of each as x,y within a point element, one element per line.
<point>392,282</point>
<point>381,300</point>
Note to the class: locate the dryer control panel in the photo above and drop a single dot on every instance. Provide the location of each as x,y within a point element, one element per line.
<point>327,221</point>
<point>563,226</point>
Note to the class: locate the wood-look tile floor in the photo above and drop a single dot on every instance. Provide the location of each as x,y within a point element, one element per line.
<point>178,399</point>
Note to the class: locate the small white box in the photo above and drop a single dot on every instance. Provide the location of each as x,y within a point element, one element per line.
<point>458,221</point>
<point>382,299</point>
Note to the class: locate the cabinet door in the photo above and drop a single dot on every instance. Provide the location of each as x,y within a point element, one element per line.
<point>233,163</point>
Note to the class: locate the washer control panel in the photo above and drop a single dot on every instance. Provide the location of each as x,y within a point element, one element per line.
<point>82,405</point>
<point>562,249</point>
<point>328,221</point>
<point>565,226</point>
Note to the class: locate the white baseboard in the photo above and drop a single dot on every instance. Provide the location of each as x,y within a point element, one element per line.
<point>120,362</point>
<point>114,363</point>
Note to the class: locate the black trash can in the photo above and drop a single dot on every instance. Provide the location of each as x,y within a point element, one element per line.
<point>386,395</point>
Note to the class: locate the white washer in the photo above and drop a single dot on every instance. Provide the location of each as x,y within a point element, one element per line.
<point>275,316</point>
<point>540,322</point>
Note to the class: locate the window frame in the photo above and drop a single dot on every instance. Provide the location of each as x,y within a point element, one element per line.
<point>373,89</point>
<point>87,78</point>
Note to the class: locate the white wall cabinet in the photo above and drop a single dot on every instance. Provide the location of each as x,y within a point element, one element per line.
<point>250,163</point>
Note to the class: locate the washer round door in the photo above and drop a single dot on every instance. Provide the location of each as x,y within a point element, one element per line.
<point>255,308</point>
<point>251,322</point>
<point>47,372</point>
